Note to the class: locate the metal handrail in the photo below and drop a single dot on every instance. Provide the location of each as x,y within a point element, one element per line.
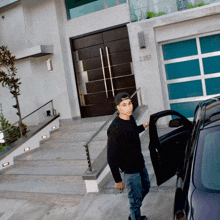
<point>31,114</point>
<point>97,132</point>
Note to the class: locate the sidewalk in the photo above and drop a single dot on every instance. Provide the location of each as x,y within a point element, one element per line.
<point>157,205</point>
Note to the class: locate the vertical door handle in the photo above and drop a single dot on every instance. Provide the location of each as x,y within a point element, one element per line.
<point>110,72</point>
<point>103,71</point>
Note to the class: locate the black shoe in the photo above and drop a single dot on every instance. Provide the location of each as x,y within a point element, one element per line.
<point>142,218</point>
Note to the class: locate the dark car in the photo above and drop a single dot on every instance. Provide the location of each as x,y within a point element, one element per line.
<point>190,150</point>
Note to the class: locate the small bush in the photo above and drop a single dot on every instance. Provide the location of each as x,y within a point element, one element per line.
<point>151,14</point>
<point>190,5</point>
<point>12,134</point>
<point>161,13</point>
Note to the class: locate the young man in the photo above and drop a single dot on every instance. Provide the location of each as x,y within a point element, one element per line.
<point>124,152</point>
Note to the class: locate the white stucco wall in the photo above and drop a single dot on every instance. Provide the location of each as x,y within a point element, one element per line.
<point>31,23</point>
<point>36,24</point>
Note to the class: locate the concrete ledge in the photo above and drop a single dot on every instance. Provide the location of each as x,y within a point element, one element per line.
<point>94,185</point>
<point>38,51</point>
<point>4,3</point>
<point>31,140</point>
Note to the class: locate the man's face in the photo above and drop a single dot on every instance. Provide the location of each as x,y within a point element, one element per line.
<point>125,107</point>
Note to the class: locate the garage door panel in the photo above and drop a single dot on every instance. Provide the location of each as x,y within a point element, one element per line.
<point>182,69</point>
<point>210,43</point>
<point>185,108</point>
<point>211,64</point>
<point>185,89</point>
<point>180,49</point>
<point>213,86</point>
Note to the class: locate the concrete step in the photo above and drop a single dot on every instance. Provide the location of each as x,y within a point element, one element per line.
<point>48,198</point>
<point>42,184</point>
<point>51,144</point>
<point>81,127</point>
<point>72,136</point>
<point>19,177</point>
<point>85,120</point>
<point>69,153</point>
<point>40,170</point>
<point>51,163</point>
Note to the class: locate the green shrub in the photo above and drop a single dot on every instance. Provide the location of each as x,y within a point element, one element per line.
<point>190,5</point>
<point>161,13</point>
<point>151,14</point>
<point>12,134</point>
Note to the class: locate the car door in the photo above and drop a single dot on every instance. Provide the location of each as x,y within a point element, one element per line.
<point>168,150</point>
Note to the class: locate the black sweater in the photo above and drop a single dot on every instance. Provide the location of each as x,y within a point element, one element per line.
<point>124,147</point>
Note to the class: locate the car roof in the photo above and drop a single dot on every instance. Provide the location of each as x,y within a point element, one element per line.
<point>210,112</point>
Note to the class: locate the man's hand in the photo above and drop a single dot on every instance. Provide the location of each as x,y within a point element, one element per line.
<point>147,124</point>
<point>120,186</point>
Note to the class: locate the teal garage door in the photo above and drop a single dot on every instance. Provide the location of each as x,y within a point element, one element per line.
<point>192,72</point>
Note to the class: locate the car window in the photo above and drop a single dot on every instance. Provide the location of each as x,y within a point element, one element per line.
<point>163,125</point>
<point>210,170</point>
<point>207,162</point>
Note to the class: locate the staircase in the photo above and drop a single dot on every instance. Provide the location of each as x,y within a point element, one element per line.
<point>52,173</point>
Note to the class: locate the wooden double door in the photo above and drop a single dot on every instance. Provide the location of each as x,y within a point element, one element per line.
<point>102,64</point>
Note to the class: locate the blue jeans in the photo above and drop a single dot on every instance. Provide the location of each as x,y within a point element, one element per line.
<point>138,185</point>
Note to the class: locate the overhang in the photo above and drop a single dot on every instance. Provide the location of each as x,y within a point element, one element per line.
<point>37,51</point>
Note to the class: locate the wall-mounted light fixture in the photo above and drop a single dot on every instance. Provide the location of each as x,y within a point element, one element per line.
<point>5,164</point>
<point>44,137</point>
<point>54,127</point>
<point>49,65</point>
<point>27,149</point>
<point>141,39</point>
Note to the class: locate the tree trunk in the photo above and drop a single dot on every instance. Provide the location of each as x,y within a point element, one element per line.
<point>19,114</point>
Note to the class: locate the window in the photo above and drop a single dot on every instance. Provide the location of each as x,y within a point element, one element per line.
<point>77,8</point>
<point>192,72</point>
<point>207,163</point>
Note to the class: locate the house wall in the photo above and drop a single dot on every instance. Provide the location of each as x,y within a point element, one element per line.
<point>148,67</point>
<point>29,23</point>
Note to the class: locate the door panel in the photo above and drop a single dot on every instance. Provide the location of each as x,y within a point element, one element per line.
<point>97,86</point>
<point>121,57</point>
<point>97,74</point>
<point>115,34</point>
<point>100,78</point>
<point>93,63</point>
<point>96,98</point>
<point>90,52</point>
<point>117,70</point>
<point>123,82</point>
<point>118,46</point>
<point>121,69</point>
<point>103,109</point>
<point>87,41</point>
<point>167,152</point>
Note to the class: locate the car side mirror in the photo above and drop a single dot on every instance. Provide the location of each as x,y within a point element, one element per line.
<point>175,123</point>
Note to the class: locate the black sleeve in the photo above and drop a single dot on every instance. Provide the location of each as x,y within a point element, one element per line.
<point>113,156</point>
<point>140,128</point>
